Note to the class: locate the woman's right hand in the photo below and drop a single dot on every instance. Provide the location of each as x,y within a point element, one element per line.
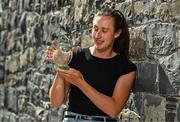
<point>51,51</point>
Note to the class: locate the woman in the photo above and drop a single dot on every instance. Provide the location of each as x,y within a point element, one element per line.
<point>100,77</point>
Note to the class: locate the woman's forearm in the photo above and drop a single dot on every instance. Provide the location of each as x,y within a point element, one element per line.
<point>57,92</point>
<point>103,102</point>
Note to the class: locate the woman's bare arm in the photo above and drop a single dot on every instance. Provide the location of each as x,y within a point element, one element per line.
<point>58,91</point>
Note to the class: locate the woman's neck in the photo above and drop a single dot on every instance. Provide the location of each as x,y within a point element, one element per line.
<point>102,54</point>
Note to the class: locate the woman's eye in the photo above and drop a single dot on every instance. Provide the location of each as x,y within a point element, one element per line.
<point>95,29</point>
<point>104,31</point>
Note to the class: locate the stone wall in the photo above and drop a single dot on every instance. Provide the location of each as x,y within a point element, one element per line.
<point>26,27</point>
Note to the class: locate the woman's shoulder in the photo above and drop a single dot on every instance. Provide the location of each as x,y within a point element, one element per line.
<point>128,64</point>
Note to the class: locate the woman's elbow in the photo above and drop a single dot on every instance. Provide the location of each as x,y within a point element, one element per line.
<point>114,114</point>
<point>55,102</point>
<point>55,105</point>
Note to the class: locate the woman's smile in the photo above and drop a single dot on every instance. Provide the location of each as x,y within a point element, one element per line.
<point>99,42</point>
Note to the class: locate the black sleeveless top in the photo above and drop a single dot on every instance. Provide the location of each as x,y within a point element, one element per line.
<point>102,74</point>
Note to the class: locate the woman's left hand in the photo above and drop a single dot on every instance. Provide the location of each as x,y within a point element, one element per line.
<point>72,76</point>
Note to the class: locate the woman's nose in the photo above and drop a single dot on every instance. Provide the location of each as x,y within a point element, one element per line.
<point>98,34</point>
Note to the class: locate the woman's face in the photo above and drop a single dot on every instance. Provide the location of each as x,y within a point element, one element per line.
<point>103,32</point>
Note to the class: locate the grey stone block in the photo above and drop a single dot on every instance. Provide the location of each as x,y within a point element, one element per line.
<point>178,112</point>
<point>146,78</point>
<point>170,116</point>
<point>170,65</point>
<point>165,87</point>
<point>138,103</point>
<point>3,41</point>
<point>152,100</point>
<point>172,99</point>
<point>126,8</point>
<point>2,49</point>
<point>141,11</point>
<point>2,73</point>
<point>150,107</point>
<point>12,99</point>
<point>98,4</point>
<point>154,108</point>
<point>172,108</point>
<point>2,96</point>
<point>137,45</point>
<point>161,39</point>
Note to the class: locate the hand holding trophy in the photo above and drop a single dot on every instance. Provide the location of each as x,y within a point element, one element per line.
<point>58,53</point>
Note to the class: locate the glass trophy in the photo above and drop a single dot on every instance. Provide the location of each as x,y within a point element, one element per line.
<point>63,53</point>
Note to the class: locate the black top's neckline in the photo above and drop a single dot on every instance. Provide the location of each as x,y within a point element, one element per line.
<point>88,53</point>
